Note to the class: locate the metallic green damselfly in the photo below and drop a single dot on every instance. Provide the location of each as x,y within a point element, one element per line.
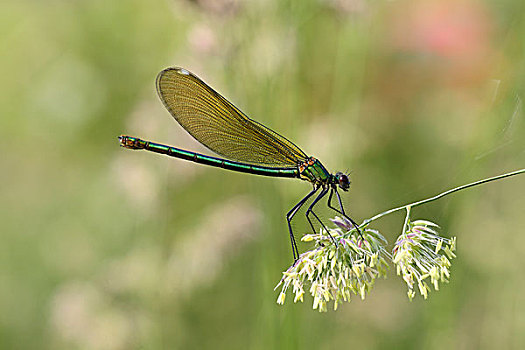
<point>246,145</point>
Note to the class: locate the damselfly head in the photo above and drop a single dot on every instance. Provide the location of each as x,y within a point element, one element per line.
<point>343,181</point>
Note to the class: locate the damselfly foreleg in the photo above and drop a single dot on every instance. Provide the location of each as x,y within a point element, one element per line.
<point>342,209</point>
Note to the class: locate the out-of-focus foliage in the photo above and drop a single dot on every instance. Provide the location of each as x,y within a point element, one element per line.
<point>104,248</point>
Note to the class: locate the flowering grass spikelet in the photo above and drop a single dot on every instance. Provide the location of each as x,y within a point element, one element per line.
<point>348,259</point>
<point>421,253</point>
<point>333,271</point>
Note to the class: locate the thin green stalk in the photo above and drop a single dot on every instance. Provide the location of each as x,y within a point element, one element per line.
<point>407,219</point>
<point>441,195</point>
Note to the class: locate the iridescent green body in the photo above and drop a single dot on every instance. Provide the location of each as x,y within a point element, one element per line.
<point>315,172</point>
<point>136,143</point>
<point>311,170</point>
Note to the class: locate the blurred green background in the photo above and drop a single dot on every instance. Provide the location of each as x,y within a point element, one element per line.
<point>104,248</point>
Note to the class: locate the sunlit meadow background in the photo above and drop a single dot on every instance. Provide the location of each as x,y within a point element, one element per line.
<point>105,248</point>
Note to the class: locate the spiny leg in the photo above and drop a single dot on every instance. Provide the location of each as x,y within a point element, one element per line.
<point>289,217</point>
<point>310,210</point>
<point>342,211</point>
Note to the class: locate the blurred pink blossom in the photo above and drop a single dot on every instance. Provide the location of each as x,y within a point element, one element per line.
<point>202,39</point>
<point>451,39</point>
<point>444,28</point>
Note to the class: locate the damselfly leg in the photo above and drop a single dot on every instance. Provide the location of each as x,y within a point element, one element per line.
<point>342,209</point>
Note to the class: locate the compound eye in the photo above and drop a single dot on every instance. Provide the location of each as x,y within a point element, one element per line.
<point>344,182</point>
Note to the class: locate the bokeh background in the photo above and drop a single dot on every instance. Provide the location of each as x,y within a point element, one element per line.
<point>105,248</point>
